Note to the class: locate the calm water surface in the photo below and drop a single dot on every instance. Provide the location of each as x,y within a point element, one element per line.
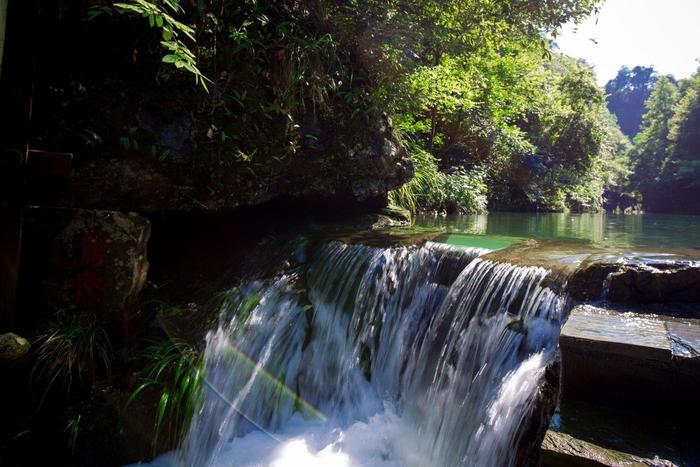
<point>610,230</point>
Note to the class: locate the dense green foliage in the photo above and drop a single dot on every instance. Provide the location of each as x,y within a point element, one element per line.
<point>666,153</point>
<point>651,144</point>
<point>532,131</point>
<point>491,115</point>
<point>462,191</point>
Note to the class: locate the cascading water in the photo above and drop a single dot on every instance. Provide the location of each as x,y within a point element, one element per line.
<point>380,357</point>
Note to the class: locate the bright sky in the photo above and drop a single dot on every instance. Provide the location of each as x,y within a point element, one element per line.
<point>663,33</point>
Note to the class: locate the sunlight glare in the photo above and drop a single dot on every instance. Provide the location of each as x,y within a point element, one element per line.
<point>296,454</point>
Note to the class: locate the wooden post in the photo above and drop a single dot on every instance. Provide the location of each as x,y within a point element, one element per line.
<point>3,24</point>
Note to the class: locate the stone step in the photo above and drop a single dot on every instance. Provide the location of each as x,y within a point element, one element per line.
<point>639,363</point>
<point>585,435</point>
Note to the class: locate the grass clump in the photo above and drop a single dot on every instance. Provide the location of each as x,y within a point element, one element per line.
<point>68,348</point>
<point>174,374</point>
<point>460,191</point>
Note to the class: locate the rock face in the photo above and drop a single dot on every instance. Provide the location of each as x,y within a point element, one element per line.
<point>563,450</point>
<point>536,425</point>
<point>637,282</point>
<point>12,347</point>
<point>348,168</point>
<point>590,273</point>
<point>129,184</point>
<point>586,282</point>
<point>97,264</point>
<point>647,284</point>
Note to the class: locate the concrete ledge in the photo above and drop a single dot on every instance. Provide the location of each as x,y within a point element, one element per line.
<point>627,361</point>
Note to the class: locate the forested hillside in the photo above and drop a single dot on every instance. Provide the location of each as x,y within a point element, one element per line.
<point>666,153</point>
<point>626,95</point>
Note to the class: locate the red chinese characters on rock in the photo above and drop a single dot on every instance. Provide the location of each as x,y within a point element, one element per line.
<point>90,284</point>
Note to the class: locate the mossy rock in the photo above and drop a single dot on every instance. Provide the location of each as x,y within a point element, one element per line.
<point>397,214</point>
<point>12,347</point>
<point>392,217</point>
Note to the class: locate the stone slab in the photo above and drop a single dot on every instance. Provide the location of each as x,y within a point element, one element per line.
<point>625,333</point>
<point>586,435</point>
<point>626,361</point>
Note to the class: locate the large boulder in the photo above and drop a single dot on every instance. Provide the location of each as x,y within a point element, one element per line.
<point>91,263</point>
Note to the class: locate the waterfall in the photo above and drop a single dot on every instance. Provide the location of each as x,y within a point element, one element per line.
<point>404,356</point>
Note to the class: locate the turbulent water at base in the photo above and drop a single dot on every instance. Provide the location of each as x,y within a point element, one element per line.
<point>421,356</point>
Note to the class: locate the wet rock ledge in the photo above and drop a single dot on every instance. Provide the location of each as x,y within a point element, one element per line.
<point>638,280</point>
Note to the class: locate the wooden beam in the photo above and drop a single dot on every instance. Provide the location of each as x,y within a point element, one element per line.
<point>57,164</point>
<point>3,24</point>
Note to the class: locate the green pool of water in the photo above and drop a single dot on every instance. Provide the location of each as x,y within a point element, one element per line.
<point>605,230</point>
<point>489,242</point>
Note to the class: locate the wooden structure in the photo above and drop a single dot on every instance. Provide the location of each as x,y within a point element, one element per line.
<point>19,166</point>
